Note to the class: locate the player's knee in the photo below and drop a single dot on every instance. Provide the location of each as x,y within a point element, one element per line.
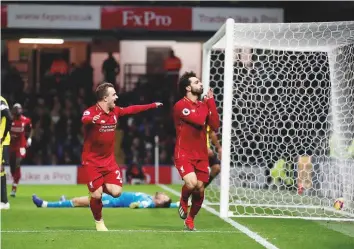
<point>191,182</point>
<point>116,193</point>
<point>97,194</point>
<point>75,202</point>
<point>114,190</point>
<point>200,186</point>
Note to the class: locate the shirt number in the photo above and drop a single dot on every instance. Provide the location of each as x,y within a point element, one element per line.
<point>119,178</point>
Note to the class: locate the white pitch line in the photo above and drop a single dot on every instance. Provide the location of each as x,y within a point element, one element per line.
<point>118,230</point>
<point>233,223</point>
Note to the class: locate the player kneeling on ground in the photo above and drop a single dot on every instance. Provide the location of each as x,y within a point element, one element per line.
<point>191,117</point>
<point>126,199</point>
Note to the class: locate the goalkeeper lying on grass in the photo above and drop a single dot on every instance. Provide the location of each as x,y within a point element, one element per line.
<point>127,199</point>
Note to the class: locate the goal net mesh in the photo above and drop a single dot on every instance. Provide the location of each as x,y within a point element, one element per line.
<point>292,135</point>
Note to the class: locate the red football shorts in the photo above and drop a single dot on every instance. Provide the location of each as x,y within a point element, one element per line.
<point>200,167</point>
<point>98,176</point>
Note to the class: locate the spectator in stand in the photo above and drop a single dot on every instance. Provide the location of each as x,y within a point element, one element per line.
<point>135,174</point>
<point>110,69</point>
<point>172,67</point>
<point>59,68</point>
<point>58,133</point>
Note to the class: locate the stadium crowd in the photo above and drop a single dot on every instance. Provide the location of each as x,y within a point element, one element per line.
<point>56,117</point>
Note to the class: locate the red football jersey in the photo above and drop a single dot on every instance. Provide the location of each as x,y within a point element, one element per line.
<point>18,136</point>
<point>191,119</point>
<point>99,137</point>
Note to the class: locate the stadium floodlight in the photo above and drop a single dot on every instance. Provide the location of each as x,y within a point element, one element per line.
<point>40,41</point>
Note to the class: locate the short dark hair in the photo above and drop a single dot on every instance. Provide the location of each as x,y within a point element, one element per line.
<point>167,203</point>
<point>184,82</point>
<point>101,90</point>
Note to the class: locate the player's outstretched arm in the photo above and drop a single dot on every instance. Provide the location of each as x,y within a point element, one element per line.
<point>185,114</point>
<point>133,109</point>
<point>174,204</point>
<point>213,118</point>
<point>88,118</point>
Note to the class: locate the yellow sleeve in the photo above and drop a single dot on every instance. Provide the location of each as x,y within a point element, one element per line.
<point>208,136</point>
<point>4,105</point>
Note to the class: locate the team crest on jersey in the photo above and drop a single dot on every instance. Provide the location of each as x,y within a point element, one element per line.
<point>86,113</point>
<point>186,112</point>
<point>115,119</point>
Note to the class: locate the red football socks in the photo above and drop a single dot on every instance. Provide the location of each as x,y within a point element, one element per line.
<point>197,201</point>
<point>96,208</point>
<point>16,175</point>
<point>185,193</point>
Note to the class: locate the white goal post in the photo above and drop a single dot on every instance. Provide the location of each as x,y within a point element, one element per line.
<point>285,94</point>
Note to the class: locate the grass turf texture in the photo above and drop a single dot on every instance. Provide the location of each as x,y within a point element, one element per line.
<point>25,226</point>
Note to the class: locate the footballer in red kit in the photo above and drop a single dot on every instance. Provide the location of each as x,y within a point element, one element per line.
<point>21,139</point>
<point>191,118</point>
<point>98,158</point>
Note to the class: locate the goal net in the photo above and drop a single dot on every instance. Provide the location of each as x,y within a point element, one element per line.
<point>285,94</point>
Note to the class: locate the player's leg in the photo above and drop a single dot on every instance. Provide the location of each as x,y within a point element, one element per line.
<point>113,182</point>
<point>95,187</point>
<point>214,164</point>
<point>202,175</point>
<point>83,201</point>
<point>186,172</point>
<point>4,156</point>
<point>96,206</point>
<point>15,161</point>
<point>110,201</point>
<point>56,204</point>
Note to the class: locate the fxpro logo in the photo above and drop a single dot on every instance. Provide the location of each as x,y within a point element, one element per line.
<point>147,18</point>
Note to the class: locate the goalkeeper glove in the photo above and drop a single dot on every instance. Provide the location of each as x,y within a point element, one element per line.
<point>134,205</point>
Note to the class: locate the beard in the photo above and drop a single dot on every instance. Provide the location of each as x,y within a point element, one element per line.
<point>197,92</point>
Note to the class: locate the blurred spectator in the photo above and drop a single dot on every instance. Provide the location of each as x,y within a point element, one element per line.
<point>172,66</point>
<point>56,113</point>
<point>110,69</point>
<point>135,174</point>
<point>59,66</point>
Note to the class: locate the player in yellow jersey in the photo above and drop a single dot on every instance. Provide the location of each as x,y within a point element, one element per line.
<point>214,160</point>
<point>5,127</point>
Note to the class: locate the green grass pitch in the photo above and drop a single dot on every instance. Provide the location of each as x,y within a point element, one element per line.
<point>25,226</point>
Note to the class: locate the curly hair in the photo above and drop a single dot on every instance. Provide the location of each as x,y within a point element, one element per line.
<point>184,82</point>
